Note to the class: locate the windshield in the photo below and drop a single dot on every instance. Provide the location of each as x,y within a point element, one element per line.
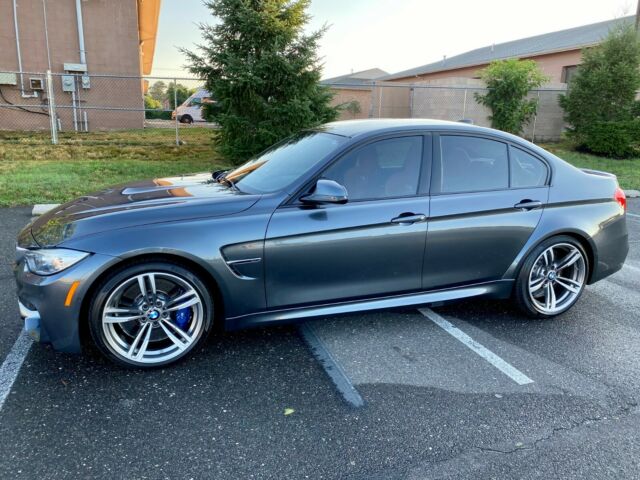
<point>284,163</point>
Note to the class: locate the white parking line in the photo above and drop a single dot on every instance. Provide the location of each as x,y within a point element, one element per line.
<point>331,366</point>
<point>509,370</point>
<point>633,215</point>
<point>11,365</point>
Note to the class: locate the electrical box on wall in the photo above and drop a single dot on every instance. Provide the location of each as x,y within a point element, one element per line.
<point>36,84</point>
<point>86,82</point>
<point>68,83</point>
<point>75,67</point>
<point>8,78</point>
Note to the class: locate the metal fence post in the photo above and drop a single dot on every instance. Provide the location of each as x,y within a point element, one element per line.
<point>464,105</point>
<point>175,109</point>
<point>373,100</point>
<point>535,119</point>
<point>52,109</point>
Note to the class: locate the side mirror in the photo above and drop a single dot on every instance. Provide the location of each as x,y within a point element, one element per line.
<point>326,191</point>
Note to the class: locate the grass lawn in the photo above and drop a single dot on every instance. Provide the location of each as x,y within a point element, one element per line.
<point>628,171</point>
<point>33,171</point>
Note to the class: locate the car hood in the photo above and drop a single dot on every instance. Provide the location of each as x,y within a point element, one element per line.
<point>140,203</point>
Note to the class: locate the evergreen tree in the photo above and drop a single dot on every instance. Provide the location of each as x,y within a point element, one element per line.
<point>263,71</point>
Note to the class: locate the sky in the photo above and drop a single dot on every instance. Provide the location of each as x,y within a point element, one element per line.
<point>396,35</point>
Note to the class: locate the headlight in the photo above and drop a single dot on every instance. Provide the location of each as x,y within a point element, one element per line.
<point>48,261</point>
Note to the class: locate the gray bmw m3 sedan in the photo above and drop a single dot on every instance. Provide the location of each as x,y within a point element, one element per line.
<point>351,216</point>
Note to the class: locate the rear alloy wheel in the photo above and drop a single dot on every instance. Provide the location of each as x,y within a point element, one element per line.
<point>552,278</point>
<point>150,315</point>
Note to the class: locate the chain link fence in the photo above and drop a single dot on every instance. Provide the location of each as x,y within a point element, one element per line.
<point>445,102</point>
<point>77,108</point>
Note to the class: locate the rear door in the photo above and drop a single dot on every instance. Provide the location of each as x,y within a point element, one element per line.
<point>487,199</point>
<point>373,245</point>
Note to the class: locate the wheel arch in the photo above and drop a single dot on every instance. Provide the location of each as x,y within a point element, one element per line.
<point>581,237</point>
<point>196,267</point>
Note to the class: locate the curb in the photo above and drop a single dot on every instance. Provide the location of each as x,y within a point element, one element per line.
<point>632,193</point>
<point>43,208</point>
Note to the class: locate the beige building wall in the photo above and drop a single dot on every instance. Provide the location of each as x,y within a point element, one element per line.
<point>112,47</point>
<point>551,64</point>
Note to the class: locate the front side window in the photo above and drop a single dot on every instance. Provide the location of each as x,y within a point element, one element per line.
<point>526,170</point>
<point>284,163</point>
<point>384,169</point>
<point>472,164</point>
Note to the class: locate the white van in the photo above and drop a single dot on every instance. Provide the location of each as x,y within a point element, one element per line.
<point>191,110</point>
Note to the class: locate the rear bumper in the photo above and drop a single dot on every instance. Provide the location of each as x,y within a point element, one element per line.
<point>42,301</point>
<point>611,248</point>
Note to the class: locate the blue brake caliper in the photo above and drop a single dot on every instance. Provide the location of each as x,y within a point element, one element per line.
<point>182,317</point>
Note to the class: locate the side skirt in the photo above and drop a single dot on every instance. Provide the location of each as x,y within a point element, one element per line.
<point>497,289</point>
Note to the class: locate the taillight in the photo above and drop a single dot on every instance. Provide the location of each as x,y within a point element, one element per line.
<point>621,198</point>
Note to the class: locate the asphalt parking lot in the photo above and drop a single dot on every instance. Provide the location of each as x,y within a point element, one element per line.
<point>468,390</point>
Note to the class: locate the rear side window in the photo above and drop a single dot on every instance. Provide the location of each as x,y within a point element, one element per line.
<point>526,170</point>
<point>471,164</point>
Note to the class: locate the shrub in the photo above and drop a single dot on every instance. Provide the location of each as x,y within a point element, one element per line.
<point>613,139</point>
<point>353,108</point>
<point>509,82</point>
<point>603,92</point>
<point>153,109</point>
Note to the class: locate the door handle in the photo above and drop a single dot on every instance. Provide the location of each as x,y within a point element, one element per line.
<point>527,204</point>
<point>409,218</point>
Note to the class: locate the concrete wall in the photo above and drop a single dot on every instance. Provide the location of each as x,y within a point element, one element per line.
<point>346,95</point>
<point>454,99</point>
<point>112,47</point>
<point>391,101</point>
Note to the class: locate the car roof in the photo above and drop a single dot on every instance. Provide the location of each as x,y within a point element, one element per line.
<point>357,128</point>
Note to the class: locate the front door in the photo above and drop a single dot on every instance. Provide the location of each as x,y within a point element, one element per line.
<point>371,246</point>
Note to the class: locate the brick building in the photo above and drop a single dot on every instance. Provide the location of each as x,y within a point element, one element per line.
<point>83,42</point>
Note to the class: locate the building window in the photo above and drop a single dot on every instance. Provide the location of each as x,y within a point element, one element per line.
<point>568,73</point>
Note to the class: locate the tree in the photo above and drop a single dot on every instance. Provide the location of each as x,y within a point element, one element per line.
<point>263,71</point>
<point>182,93</point>
<point>508,83</point>
<point>158,91</point>
<point>605,85</point>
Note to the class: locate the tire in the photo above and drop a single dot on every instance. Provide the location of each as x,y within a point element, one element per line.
<point>135,327</point>
<point>186,119</point>
<point>542,289</point>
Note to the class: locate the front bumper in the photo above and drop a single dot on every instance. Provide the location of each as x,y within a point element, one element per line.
<point>31,322</point>
<point>42,301</point>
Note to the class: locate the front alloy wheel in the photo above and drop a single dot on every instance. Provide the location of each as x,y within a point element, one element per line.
<point>148,316</point>
<point>552,278</point>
